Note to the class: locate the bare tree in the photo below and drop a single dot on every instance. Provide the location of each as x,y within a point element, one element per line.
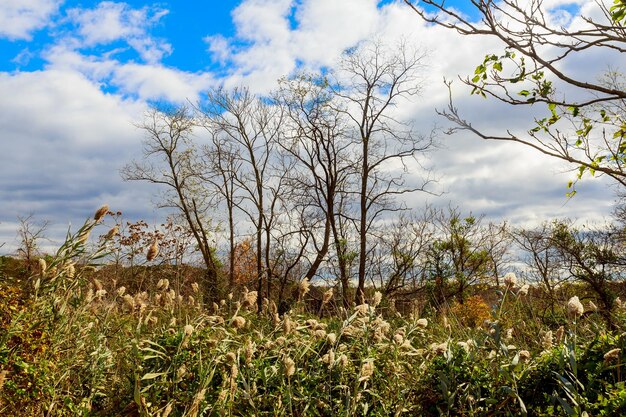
<point>30,233</point>
<point>371,81</point>
<point>254,126</point>
<point>222,165</point>
<point>170,162</point>
<point>543,261</point>
<point>319,149</point>
<point>584,123</point>
<point>498,246</point>
<point>399,260</point>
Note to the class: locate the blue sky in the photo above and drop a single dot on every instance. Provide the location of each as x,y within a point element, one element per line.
<point>76,76</point>
<point>184,26</point>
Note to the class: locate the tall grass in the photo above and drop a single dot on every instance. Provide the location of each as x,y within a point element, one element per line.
<point>78,347</point>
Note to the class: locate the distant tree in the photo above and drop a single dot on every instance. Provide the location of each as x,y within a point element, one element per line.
<point>222,166</point>
<point>498,246</point>
<point>585,122</point>
<point>593,257</point>
<point>253,126</point>
<point>30,234</point>
<point>458,256</point>
<point>543,262</point>
<point>170,162</point>
<point>371,81</point>
<point>399,262</point>
<point>319,150</point>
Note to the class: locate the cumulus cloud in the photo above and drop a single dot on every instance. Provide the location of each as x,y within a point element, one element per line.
<point>145,81</point>
<point>500,179</point>
<point>20,18</point>
<point>63,147</point>
<point>112,21</point>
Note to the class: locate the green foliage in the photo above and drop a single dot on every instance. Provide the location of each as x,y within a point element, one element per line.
<point>618,12</point>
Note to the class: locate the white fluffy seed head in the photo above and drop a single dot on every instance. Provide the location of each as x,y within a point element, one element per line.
<point>575,307</point>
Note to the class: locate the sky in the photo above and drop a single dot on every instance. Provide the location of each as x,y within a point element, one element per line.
<point>77,76</point>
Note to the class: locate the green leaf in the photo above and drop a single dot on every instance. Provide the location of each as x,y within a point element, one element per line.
<point>497,66</point>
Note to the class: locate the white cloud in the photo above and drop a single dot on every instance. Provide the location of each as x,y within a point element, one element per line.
<point>20,18</point>
<point>263,21</point>
<point>157,82</point>
<point>327,27</point>
<point>112,21</point>
<point>63,147</point>
<point>219,48</point>
<point>145,81</point>
<point>500,179</point>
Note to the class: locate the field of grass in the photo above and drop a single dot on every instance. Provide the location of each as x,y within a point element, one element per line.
<point>73,343</point>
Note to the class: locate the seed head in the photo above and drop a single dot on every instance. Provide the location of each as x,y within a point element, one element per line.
<point>102,211</point>
<point>238,322</point>
<point>510,279</point>
<point>320,334</point>
<point>560,332</point>
<point>524,290</point>
<point>327,296</point>
<point>70,270</point>
<point>362,309</point>
<point>524,355</point>
<point>129,302</point>
<point>422,323</point>
<point>378,297</point>
<point>163,284</point>
<point>250,298</point>
<point>180,372</point>
<point>575,307</point>
<point>115,230</point>
<point>440,348</point>
<point>249,351</point>
<point>153,251</point>
<point>43,266</point>
<point>290,366</point>
<point>286,325</point>
<point>509,334</point>
<point>84,236</point>
<point>3,376</point>
<point>612,355</point>
<point>546,340</point>
<point>367,370</point>
<point>304,287</point>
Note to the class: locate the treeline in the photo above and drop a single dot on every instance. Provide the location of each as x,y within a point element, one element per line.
<point>308,173</point>
<point>305,183</point>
